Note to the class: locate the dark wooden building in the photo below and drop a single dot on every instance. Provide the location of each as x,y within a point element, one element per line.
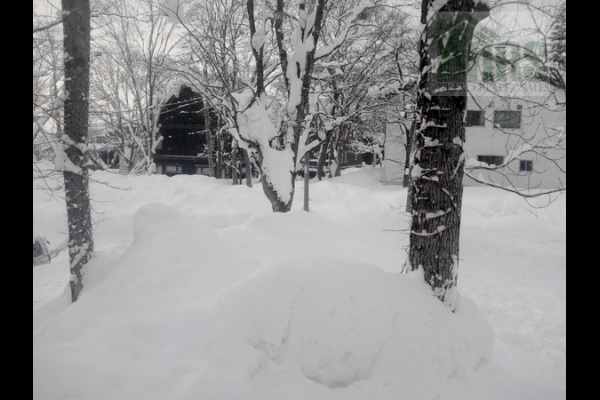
<point>187,136</point>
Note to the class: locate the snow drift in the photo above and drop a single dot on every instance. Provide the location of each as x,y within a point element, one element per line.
<point>181,315</point>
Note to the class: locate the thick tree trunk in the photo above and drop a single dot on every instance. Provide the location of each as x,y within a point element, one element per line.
<point>437,176</point>
<point>76,23</point>
<point>277,203</point>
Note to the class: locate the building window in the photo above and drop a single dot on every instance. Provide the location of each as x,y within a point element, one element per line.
<point>507,119</point>
<point>488,76</point>
<point>172,169</point>
<point>475,118</point>
<point>526,165</point>
<point>491,160</point>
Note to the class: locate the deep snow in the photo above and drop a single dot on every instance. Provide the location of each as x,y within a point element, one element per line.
<point>198,291</point>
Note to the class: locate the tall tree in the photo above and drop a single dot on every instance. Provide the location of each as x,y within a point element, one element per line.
<point>357,85</point>
<point>129,77</point>
<point>437,184</point>
<point>293,31</point>
<point>281,148</point>
<point>76,31</point>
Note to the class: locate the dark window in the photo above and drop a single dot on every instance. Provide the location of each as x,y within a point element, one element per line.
<point>189,169</point>
<point>491,160</point>
<point>488,76</point>
<point>526,165</point>
<point>507,119</point>
<point>475,118</point>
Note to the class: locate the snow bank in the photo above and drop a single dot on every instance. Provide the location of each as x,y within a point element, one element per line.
<point>551,209</point>
<point>179,300</point>
<point>341,323</point>
<point>212,296</point>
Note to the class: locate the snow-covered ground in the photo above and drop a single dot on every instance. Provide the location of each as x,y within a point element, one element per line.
<point>198,291</point>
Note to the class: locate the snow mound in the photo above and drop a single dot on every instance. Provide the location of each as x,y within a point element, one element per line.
<point>342,322</point>
<point>549,209</point>
<point>171,254</point>
<point>195,320</point>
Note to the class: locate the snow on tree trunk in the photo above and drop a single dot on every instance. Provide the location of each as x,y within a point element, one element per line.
<point>438,161</point>
<point>76,23</point>
<point>277,160</point>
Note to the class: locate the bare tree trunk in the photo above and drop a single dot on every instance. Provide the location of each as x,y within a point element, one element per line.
<point>407,162</point>
<point>408,165</point>
<point>338,164</point>
<point>437,178</point>
<point>277,203</point>
<point>209,142</point>
<point>332,154</point>
<point>323,157</point>
<point>306,180</point>
<point>220,164</point>
<point>235,166</point>
<point>340,144</point>
<point>248,168</point>
<point>76,23</point>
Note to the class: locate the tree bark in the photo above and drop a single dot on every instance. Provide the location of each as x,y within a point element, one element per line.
<point>248,168</point>
<point>76,24</point>
<point>306,181</point>
<point>235,166</point>
<point>209,142</point>
<point>323,157</point>
<point>438,168</point>
<point>277,204</point>
<point>407,162</point>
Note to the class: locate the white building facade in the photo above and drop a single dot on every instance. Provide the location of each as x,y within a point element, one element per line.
<point>513,142</point>
<point>516,136</point>
<point>515,125</point>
